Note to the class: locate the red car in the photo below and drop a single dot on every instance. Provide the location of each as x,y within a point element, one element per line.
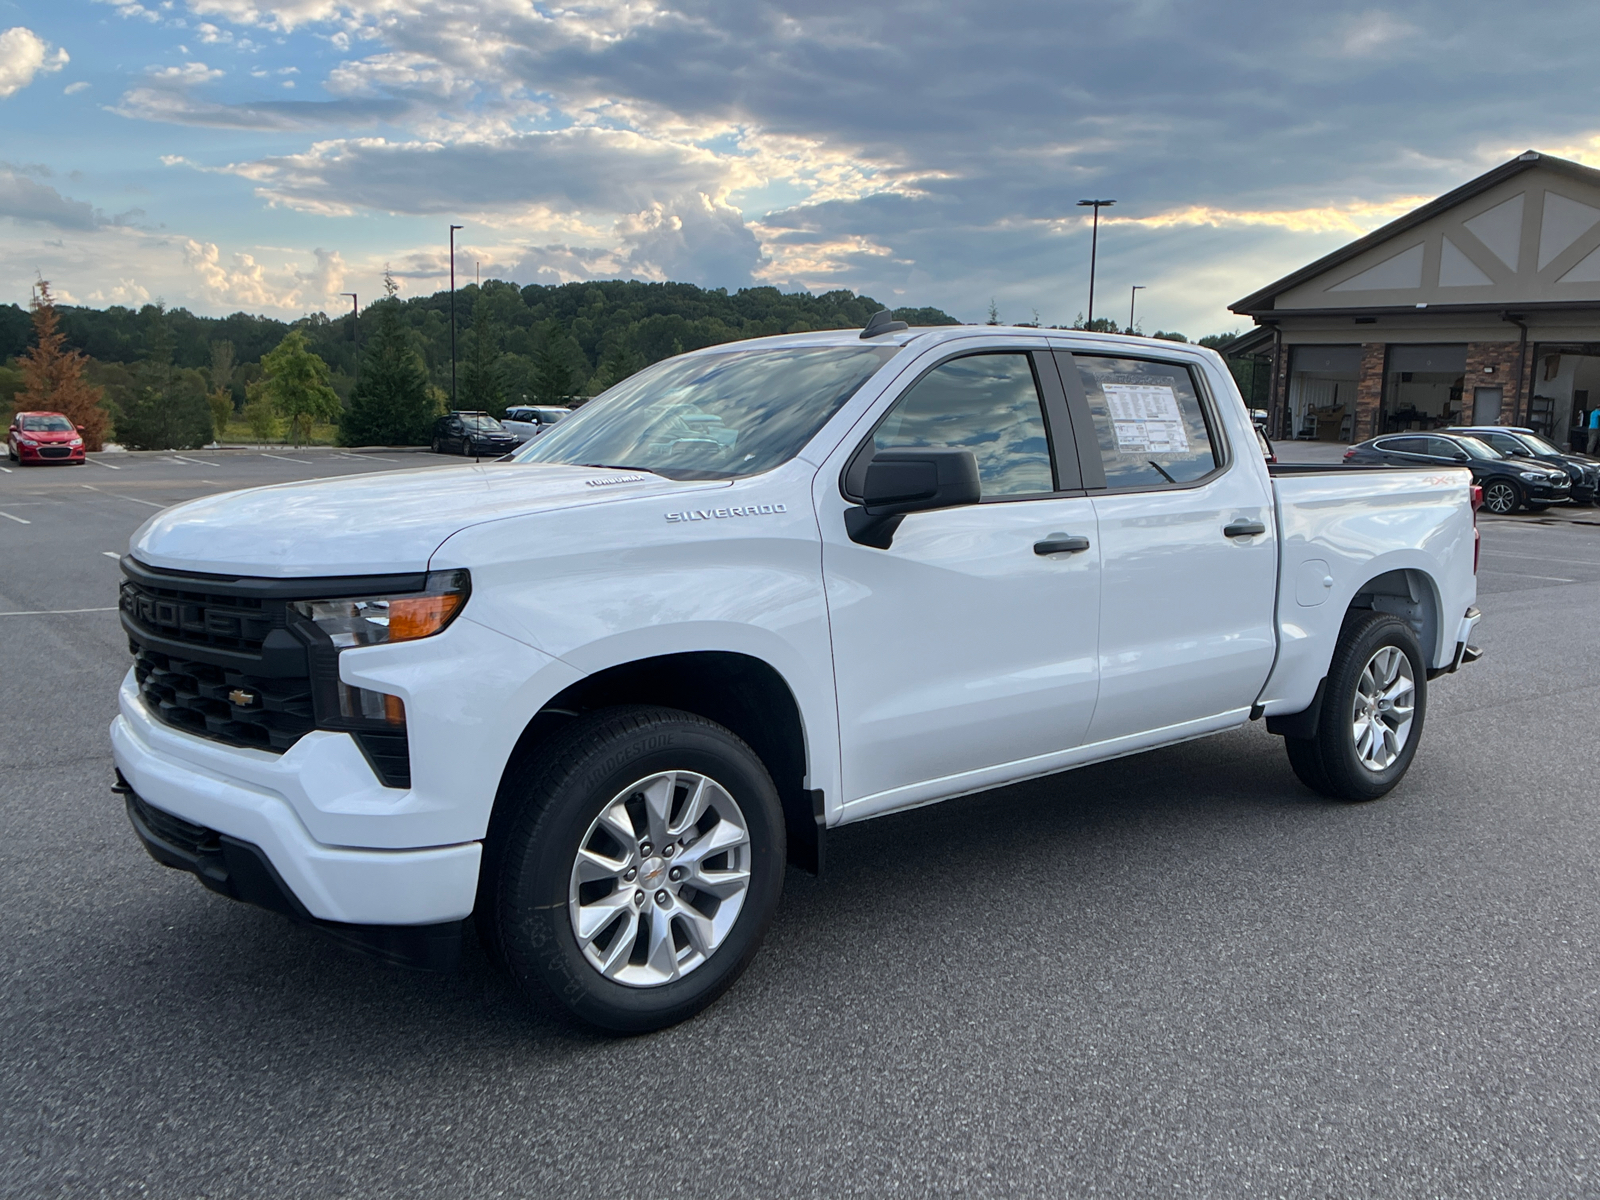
<point>44,437</point>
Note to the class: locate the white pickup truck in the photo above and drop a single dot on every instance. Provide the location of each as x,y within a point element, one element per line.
<point>594,697</point>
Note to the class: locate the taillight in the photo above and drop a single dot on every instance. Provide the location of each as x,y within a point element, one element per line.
<point>1477,538</point>
<point>1350,453</point>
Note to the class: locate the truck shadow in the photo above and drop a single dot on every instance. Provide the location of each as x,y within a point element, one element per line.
<point>1081,839</point>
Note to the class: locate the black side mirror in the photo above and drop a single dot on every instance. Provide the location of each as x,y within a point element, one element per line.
<point>905,481</point>
<point>1461,456</point>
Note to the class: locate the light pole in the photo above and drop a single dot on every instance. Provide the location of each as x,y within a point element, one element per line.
<point>355,330</point>
<point>1094,245</point>
<point>453,229</point>
<point>1132,296</point>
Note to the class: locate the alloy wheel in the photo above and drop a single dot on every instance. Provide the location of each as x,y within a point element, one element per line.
<point>1385,702</point>
<point>660,878</point>
<point>1500,498</point>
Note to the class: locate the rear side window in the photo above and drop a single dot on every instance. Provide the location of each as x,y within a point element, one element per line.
<point>987,403</point>
<point>1148,420</point>
<point>1405,445</point>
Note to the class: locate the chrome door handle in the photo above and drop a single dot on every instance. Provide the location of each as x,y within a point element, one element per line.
<point>1061,543</point>
<point>1244,529</point>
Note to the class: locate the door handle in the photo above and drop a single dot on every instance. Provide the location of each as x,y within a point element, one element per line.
<point>1243,529</point>
<point>1061,543</point>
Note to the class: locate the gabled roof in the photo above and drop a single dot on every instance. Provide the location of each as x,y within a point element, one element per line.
<point>1263,301</point>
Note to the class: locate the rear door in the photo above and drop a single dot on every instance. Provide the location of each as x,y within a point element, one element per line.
<point>966,651</point>
<point>1188,544</point>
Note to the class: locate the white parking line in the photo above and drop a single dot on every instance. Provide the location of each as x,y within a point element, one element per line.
<point>120,496</point>
<point>55,612</point>
<point>18,520</point>
<point>111,554</point>
<point>98,463</point>
<point>7,470</point>
<point>1524,575</point>
<point>194,462</point>
<point>366,457</point>
<point>286,458</point>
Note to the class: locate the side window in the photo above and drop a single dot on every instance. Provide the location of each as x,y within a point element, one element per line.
<point>1442,448</point>
<point>1506,445</point>
<point>987,403</point>
<point>1148,420</point>
<point>1405,445</point>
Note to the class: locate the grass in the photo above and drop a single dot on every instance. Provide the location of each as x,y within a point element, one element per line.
<point>238,431</point>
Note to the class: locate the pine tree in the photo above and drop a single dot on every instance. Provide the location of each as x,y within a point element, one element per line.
<point>297,386</point>
<point>53,375</point>
<point>168,409</point>
<point>392,405</point>
<point>482,383</point>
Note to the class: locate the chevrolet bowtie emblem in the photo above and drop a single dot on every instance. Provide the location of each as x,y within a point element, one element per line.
<point>242,698</point>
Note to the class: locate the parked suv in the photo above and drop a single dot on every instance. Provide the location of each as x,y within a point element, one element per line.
<point>1508,483</point>
<point>1517,442</point>
<point>474,434</point>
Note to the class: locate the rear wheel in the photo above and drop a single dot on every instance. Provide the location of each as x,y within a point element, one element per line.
<point>1373,705</point>
<point>1502,497</point>
<point>436,447</point>
<point>635,874</point>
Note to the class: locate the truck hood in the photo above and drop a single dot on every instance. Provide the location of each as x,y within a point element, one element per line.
<point>390,522</point>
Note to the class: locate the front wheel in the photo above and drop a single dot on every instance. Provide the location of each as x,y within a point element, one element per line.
<point>636,868</point>
<point>1373,705</point>
<point>1502,497</point>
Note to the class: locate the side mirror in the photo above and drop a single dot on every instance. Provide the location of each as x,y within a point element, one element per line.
<point>79,428</point>
<point>906,481</point>
<point>1461,456</point>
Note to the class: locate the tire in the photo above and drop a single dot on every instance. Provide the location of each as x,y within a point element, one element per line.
<point>1502,497</point>
<point>1337,761</point>
<point>649,958</point>
<point>434,446</point>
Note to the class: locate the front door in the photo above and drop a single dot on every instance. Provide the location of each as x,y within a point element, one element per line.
<point>968,645</point>
<point>1188,547</point>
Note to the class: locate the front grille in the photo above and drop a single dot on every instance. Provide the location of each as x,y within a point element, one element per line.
<point>203,618</point>
<point>228,705</point>
<point>175,831</point>
<point>55,451</point>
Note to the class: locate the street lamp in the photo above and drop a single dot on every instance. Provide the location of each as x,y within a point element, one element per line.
<point>1094,244</point>
<point>355,330</point>
<point>1132,296</point>
<point>453,229</point>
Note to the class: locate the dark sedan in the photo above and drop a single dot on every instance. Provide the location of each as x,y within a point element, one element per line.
<point>1508,483</point>
<point>473,434</point>
<point>1516,442</point>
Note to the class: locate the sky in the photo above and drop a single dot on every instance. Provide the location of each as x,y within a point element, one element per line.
<point>269,155</point>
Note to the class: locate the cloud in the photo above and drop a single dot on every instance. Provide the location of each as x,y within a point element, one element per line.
<point>72,89</point>
<point>242,281</point>
<point>582,169</point>
<point>23,55</point>
<point>22,199</point>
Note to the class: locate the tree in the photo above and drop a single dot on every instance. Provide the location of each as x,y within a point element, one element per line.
<point>392,405</point>
<point>994,313</point>
<point>166,408</point>
<point>296,385</point>
<point>554,377</point>
<point>52,376</point>
<point>220,397</point>
<point>482,384</point>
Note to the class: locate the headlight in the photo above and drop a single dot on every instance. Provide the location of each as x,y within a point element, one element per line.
<point>75,442</point>
<point>1535,476</point>
<point>27,441</point>
<point>376,621</point>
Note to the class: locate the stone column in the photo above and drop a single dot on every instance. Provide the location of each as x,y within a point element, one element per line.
<point>1491,364</point>
<point>1369,391</point>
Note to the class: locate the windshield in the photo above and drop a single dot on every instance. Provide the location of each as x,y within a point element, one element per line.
<point>483,425</point>
<point>1476,448</point>
<point>46,425</point>
<point>1537,444</point>
<point>712,416</point>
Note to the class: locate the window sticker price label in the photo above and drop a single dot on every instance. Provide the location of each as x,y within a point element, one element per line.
<point>1146,418</point>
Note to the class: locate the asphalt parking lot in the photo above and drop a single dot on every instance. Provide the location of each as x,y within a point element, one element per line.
<point>1178,974</point>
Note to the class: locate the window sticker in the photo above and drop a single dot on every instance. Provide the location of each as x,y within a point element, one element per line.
<point>1146,417</point>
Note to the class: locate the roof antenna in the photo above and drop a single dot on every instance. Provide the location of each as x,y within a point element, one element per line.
<point>880,323</point>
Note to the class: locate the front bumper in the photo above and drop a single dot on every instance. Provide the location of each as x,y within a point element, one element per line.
<point>252,796</point>
<point>1553,491</point>
<point>241,871</point>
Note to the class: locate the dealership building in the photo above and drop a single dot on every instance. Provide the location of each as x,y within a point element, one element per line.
<point>1481,307</point>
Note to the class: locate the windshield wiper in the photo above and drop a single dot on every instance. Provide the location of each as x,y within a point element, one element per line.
<point>618,467</point>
